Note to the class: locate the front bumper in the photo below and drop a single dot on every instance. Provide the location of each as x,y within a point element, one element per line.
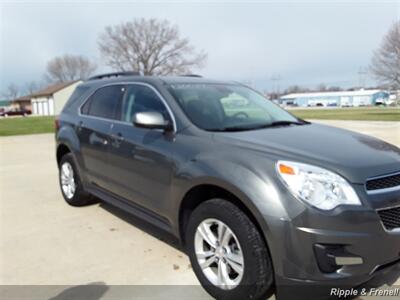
<point>357,229</point>
<point>291,289</point>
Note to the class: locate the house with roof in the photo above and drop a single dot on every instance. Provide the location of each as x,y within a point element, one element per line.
<point>21,103</point>
<point>51,100</point>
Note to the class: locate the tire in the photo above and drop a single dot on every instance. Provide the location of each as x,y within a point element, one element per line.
<point>77,197</point>
<point>256,279</point>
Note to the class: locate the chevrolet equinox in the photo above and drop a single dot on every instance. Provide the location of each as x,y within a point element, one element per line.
<point>262,201</point>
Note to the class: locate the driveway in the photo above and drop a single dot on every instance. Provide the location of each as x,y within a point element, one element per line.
<point>45,242</point>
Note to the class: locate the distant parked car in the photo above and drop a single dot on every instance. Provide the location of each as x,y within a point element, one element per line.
<point>16,112</point>
<point>291,104</point>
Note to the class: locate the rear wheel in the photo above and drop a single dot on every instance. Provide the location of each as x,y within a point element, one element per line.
<point>70,183</point>
<point>227,252</point>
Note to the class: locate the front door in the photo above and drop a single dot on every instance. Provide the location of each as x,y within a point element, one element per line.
<point>141,160</point>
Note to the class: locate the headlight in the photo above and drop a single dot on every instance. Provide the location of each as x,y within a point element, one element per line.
<point>316,186</point>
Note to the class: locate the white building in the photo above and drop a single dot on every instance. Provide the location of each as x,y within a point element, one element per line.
<point>52,99</point>
<point>341,98</point>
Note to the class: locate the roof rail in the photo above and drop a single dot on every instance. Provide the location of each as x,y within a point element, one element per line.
<point>191,75</point>
<point>114,74</point>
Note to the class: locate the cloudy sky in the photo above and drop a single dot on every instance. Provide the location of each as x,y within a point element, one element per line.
<point>301,42</point>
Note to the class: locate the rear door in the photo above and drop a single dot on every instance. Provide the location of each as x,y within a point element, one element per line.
<point>98,114</point>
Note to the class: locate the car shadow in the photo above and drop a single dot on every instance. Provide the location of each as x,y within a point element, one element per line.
<point>91,291</point>
<point>145,226</point>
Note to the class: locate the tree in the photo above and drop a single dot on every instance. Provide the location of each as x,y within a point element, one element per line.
<point>385,63</point>
<point>293,89</point>
<point>12,92</point>
<point>31,87</point>
<point>69,67</point>
<point>149,46</point>
<point>334,89</point>
<point>321,87</point>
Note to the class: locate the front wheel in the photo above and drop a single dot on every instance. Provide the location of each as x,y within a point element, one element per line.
<point>227,252</point>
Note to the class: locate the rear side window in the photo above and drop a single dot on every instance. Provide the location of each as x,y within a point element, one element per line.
<point>76,95</point>
<point>104,102</point>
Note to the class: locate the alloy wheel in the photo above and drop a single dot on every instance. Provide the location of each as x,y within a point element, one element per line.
<point>67,180</point>
<point>219,254</point>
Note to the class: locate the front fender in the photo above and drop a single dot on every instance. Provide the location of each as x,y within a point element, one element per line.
<point>259,195</point>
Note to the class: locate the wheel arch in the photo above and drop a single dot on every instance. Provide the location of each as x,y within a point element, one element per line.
<point>202,192</point>
<point>62,149</point>
<point>67,141</point>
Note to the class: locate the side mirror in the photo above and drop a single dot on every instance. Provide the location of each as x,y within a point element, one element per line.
<point>151,120</point>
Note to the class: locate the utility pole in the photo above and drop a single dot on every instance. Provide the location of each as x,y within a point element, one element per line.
<point>362,74</point>
<point>275,82</point>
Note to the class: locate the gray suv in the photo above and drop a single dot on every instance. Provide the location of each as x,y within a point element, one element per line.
<point>262,201</point>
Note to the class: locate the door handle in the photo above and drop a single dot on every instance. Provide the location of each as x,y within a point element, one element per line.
<point>117,137</point>
<point>116,140</point>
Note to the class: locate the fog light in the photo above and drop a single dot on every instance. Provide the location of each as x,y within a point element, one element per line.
<point>332,257</point>
<point>348,260</point>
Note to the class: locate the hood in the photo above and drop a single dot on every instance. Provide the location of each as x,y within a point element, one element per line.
<point>354,156</point>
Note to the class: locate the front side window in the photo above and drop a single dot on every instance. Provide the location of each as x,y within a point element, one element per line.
<point>140,98</point>
<point>228,107</point>
<point>104,102</point>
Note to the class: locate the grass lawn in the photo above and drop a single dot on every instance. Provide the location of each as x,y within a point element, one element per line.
<point>26,125</point>
<point>32,125</point>
<point>351,113</point>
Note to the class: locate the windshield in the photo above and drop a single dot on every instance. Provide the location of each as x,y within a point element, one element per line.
<point>229,107</point>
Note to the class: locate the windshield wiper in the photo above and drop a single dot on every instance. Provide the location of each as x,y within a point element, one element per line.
<point>286,123</point>
<point>268,125</point>
<point>231,128</point>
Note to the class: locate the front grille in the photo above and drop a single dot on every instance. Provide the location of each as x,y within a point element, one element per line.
<point>390,218</point>
<point>383,182</point>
